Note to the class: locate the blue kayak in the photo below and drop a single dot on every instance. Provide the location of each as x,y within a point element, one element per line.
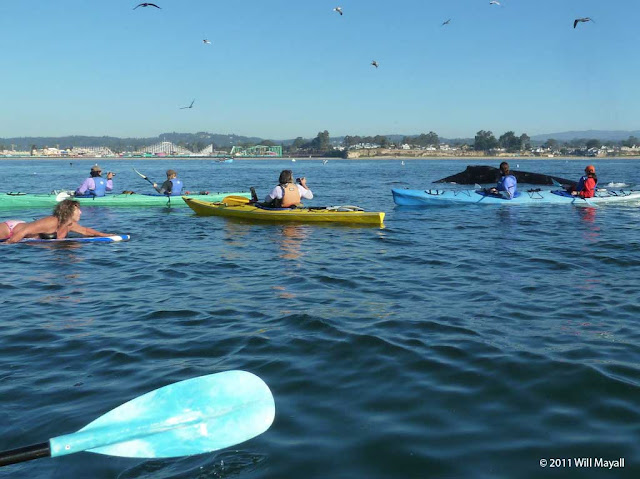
<point>533,196</point>
<point>82,239</point>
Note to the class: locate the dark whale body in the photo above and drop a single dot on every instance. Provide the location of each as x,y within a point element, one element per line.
<point>489,174</point>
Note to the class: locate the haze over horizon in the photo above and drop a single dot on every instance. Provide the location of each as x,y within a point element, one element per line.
<point>279,70</point>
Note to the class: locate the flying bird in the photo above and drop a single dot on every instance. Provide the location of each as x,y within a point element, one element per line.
<point>493,2</point>
<point>206,42</point>
<point>190,106</point>
<point>374,63</point>
<point>585,19</point>
<point>445,23</point>
<point>147,5</point>
<point>338,9</point>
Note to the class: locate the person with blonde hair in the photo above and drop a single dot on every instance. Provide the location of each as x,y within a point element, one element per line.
<point>287,193</point>
<point>64,219</point>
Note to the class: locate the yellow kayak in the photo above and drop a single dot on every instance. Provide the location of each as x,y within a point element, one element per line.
<point>239,207</point>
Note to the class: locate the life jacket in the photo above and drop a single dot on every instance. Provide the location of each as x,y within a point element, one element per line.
<point>501,185</point>
<point>176,187</point>
<point>581,187</point>
<point>290,195</point>
<point>100,187</point>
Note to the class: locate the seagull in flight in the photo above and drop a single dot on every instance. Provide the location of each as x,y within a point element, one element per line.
<point>494,2</point>
<point>186,107</point>
<point>585,19</point>
<point>206,42</point>
<point>445,23</point>
<point>147,5</point>
<point>374,63</point>
<point>338,9</point>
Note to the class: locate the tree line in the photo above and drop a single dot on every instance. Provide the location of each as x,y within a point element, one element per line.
<point>484,140</point>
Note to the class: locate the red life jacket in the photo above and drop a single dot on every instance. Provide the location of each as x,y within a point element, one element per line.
<point>290,195</point>
<point>589,188</point>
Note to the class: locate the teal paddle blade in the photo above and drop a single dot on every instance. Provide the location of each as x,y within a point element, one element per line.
<point>194,416</point>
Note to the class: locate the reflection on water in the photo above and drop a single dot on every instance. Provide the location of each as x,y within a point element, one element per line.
<point>291,239</point>
<point>62,247</point>
<point>237,236</point>
<point>235,232</point>
<point>480,336</point>
<point>283,293</point>
<point>587,214</point>
<point>509,215</point>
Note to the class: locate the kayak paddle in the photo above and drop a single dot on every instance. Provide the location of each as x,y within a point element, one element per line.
<point>153,184</point>
<point>189,417</point>
<point>64,195</point>
<point>143,177</point>
<point>234,200</point>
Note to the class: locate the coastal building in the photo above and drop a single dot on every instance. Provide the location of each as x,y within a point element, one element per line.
<point>91,151</point>
<point>257,151</point>
<point>630,150</point>
<point>51,152</point>
<point>13,153</point>
<point>364,146</point>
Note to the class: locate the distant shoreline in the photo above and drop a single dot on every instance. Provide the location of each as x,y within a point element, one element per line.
<point>321,158</point>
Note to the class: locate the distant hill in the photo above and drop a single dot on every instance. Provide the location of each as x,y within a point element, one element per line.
<point>201,139</point>
<point>602,135</point>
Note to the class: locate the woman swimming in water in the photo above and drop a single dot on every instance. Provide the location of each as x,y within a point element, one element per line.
<point>65,218</point>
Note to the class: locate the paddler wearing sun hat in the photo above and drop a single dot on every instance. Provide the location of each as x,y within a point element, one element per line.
<point>96,185</point>
<point>586,187</point>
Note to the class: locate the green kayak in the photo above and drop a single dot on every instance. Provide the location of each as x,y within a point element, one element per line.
<point>26,200</point>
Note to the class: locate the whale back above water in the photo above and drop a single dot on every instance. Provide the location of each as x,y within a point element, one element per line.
<point>488,174</point>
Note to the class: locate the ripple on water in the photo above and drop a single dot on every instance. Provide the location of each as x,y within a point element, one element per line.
<point>456,342</point>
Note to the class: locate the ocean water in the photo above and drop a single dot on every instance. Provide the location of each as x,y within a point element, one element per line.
<point>454,342</point>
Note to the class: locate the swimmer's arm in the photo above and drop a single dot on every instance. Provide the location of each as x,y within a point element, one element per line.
<point>85,231</point>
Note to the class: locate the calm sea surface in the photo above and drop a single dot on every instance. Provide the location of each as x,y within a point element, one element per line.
<point>455,342</point>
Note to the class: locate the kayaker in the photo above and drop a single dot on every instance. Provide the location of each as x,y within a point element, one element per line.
<point>65,218</point>
<point>507,184</point>
<point>96,185</point>
<point>586,187</point>
<point>288,193</point>
<point>171,187</point>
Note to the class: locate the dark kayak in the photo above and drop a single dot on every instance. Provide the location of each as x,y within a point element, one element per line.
<point>489,174</point>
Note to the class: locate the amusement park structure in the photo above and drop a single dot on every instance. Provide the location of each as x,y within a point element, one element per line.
<point>257,151</point>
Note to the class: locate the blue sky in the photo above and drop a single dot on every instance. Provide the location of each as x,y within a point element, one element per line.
<point>281,69</point>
